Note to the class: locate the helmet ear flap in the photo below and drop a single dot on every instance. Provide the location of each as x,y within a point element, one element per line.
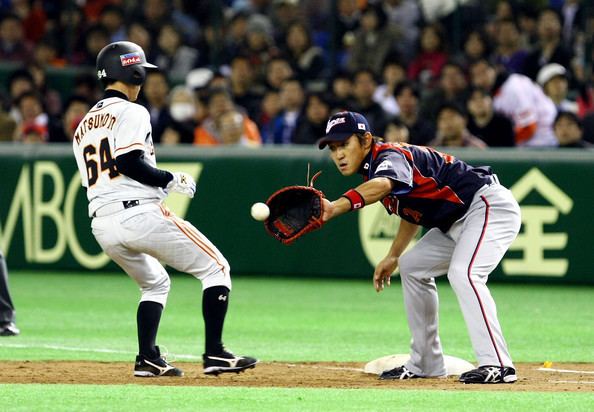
<point>138,75</point>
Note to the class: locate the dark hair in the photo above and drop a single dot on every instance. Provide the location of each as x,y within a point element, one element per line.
<point>29,94</point>
<point>364,71</point>
<point>18,75</point>
<point>321,96</point>
<point>475,89</point>
<point>382,18</point>
<point>453,106</point>
<point>511,21</point>
<point>76,98</point>
<point>406,84</point>
<point>570,115</point>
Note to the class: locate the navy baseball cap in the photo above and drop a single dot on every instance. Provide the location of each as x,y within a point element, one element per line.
<point>343,125</point>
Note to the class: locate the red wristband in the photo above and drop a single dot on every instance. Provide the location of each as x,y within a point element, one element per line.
<point>357,201</point>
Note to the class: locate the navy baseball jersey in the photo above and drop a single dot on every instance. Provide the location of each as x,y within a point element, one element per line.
<point>432,189</point>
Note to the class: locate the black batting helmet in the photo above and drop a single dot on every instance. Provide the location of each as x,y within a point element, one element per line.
<point>124,61</point>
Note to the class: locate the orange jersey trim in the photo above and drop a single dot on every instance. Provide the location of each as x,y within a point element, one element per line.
<point>130,145</point>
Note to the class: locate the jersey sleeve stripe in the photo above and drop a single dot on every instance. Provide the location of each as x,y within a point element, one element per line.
<point>129,146</point>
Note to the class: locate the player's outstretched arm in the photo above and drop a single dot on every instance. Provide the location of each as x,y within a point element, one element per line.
<point>387,266</point>
<point>364,194</point>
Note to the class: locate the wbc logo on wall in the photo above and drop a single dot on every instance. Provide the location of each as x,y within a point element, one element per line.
<point>130,58</point>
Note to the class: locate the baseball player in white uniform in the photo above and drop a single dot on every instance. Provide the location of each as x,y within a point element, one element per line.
<point>116,159</point>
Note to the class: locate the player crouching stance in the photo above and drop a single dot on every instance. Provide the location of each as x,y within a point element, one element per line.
<point>116,159</point>
<point>472,220</point>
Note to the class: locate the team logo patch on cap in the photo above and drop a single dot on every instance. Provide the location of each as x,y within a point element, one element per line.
<point>360,126</point>
<point>130,58</point>
<point>334,122</point>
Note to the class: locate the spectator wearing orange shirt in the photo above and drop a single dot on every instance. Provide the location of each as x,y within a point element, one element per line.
<point>212,131</point>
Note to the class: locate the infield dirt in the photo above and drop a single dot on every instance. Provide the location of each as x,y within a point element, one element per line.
<point>289,375</point>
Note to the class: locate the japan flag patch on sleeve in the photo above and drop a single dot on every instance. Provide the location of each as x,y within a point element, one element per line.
<point>385,165</point>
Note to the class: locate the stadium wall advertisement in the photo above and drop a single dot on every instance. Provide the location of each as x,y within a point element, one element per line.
<point>44,223</point>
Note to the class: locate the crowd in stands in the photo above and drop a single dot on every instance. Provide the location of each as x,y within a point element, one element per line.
<point>270,72</point>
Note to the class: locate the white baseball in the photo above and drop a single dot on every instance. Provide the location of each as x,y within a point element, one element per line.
<point>260,211</point>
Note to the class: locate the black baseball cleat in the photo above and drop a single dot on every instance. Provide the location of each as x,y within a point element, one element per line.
<point>226,362</point>
<point>158,366</point>
<point>489,374</point>
<point>399,372</point>
<point>9,329</point>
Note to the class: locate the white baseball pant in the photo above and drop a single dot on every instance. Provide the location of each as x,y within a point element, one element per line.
<point>468,253</point>
<point>140,237</point>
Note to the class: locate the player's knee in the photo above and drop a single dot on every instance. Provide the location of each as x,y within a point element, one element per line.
<point>157,291</point>
<point>458,276</point>
<point>218,278</point>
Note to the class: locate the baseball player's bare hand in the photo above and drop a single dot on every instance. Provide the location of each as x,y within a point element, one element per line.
<point>182,183</point>
<point>383,271</point>
<point>328,210</point>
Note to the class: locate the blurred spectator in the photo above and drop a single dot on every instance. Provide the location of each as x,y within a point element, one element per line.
<point>393,72</point>
<point>153,14</point>
<point>68,33</point>
<point>374,40</point>
<point>285,124</point>
<point>550,48</point>
<point>407,96</point>
<point>33,17</point>
<point>588,127</point>
<point>184,110</point>
<point>209,132</point>
<point>139,34</point>
<point>243,88</point>
<point>156,90</point>
<point>346,23</point>
<point>52,100</point>
<point>568,130</point>
<point>397,132</point>
<point>452,87</point>
<point>432,55</point>
<point>509,53</point>
<point>20,81</point>
<point>172,56</point>
<point>495,129</point>
<point>528,22</point>
<point>553,80</point>
<point>13,45</point>
<point>7,126</point>
<point>342,90</point>
<point>284,13</point>
<point>235,34</point>
<point>269,110</point>
<point>112,18</point>
<point>33,126</point>
<point>476,46</point>
<point>313,126</point>
<point>406,16</point>
<point>46,53</point>
<point>259,44</point>
<point>278,70</point>
<point>364,85</point>
<point>306,59</point>
<point>231,129</point>
<point>95,38</point>
<point>86,85</point>
<point>523,101</point>
<point>451,128</point>
<point>573,21</point>
<point>75,109</point>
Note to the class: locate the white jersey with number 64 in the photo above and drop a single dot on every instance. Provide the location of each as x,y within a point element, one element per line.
<point>113,127</point>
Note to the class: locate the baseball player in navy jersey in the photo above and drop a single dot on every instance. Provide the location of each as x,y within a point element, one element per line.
<point>472,220</point>
<point>116,159</point>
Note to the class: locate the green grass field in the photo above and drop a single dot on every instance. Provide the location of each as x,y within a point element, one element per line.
<point>92,317</point>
